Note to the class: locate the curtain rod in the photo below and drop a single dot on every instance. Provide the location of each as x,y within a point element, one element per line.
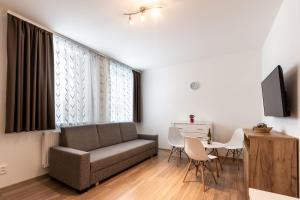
<point>56,33</point>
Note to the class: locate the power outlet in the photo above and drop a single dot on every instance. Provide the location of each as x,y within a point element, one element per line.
<point>3,169</point>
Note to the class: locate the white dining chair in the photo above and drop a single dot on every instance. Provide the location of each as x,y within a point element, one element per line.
<point>235,145</point>
<point>198,157</point>
<point>176,140</point>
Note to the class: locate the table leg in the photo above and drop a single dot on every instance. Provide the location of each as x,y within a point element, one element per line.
<point>180,154</point>
<point>216,162</point>
<point>178,157</point>
<point>217,154</point>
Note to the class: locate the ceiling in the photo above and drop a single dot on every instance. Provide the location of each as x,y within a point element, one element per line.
<point>187,30</point>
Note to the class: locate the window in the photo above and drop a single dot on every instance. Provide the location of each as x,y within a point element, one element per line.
<point>121,92</point>
<point>79,83</point>
<point>89,88</point>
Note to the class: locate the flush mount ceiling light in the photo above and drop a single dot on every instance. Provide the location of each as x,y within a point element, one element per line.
<point>155,12</point>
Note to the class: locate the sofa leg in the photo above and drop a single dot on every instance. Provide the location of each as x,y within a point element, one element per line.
<point>82,191</point>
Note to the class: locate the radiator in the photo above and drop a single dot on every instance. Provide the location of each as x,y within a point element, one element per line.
<point>49,139</point>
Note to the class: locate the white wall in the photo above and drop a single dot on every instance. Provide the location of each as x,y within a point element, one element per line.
<point>22,152</point>
<point>229,95</point>
<point>282,47</point>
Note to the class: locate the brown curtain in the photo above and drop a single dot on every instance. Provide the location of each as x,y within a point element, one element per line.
<point>136,96</point>
<point>30,77</point>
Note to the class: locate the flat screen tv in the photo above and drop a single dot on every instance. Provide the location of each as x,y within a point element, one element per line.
<point>274,94</point>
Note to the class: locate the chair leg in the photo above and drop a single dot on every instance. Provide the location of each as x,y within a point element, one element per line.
<point>238,161</point>
<point>178,157</point>
<point>238,157</point>
<point>226,156</point>
<point>218,158</point>
<point>186,155</point>
<point>233,156</point>
<point>188,169</point>
<point>219,161</point>
<point>216,162</point>
<point>202,174</point>
<point>180,153</point>
<point>209,169</point>
<point>171,153</point>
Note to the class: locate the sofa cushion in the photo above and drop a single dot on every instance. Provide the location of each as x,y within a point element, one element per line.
<point>128,131</point>
<point>83,138</point>
<point>107,156</point>
<point>109,134</point>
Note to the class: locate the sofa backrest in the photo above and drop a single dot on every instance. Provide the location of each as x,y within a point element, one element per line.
<point>109,134</point>
<point>83,138</point>
<point>128,131</point>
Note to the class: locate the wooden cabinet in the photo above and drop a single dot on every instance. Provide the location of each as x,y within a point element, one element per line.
<point>196,129</point>
<point>271,162</point>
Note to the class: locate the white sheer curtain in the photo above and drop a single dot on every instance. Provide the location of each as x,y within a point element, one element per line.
<point>121,92</point>
<point>81,84</point>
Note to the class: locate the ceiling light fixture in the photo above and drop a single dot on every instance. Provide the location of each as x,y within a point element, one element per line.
<point>130,20</point>
<point>155,12</point>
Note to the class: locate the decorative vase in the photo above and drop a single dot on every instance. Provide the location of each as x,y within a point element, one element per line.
<point>192,118</point>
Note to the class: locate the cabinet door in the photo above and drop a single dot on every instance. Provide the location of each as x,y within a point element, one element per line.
<point>274,165</point>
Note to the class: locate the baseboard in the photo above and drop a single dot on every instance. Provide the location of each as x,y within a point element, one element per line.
<point>13,186</point>
<point>163,149</point>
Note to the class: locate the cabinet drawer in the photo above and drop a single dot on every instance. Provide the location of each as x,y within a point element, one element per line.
<point>193,127</point>
<point>195,134</point>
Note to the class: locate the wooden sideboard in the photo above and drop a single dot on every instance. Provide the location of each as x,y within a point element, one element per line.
<point>271,162</point>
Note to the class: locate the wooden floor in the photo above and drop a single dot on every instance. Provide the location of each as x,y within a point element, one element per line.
<point>154,178</point>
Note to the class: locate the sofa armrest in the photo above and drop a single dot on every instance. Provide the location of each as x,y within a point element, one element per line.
<point>70,166</point>
<point>150,137</point>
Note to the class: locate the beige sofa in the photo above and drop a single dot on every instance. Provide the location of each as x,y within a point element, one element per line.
<point>91,153</point>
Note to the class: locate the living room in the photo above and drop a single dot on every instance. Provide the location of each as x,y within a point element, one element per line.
<point>80,78</point>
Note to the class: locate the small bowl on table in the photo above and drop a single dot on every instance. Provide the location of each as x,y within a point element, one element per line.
<point>262,130</point>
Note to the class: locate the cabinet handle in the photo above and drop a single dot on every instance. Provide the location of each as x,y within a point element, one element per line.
<point>200,129</point>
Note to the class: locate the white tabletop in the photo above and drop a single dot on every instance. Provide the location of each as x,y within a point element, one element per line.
<point>213,145</point>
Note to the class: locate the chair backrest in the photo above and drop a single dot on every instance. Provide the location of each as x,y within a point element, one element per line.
<point>237,138</point>
<point>174,137</point>
<point>195,149</point>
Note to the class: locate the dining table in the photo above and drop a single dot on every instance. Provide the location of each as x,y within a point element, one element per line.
<point>213,150</point>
